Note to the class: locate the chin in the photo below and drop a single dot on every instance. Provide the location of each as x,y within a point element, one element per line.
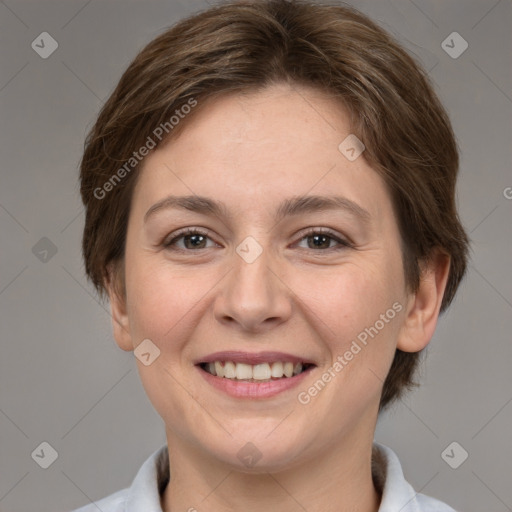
<point>258,452</point>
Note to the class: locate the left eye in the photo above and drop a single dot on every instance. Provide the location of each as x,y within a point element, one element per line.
<point>322,240</point>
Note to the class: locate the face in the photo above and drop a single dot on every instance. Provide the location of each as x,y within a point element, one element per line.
<point>270,278</point>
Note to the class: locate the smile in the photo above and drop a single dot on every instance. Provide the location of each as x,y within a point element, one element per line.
<point>262,372</point>
<point>253,376</point>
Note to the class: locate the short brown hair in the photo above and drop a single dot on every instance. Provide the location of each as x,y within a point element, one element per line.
<point>248,45</point>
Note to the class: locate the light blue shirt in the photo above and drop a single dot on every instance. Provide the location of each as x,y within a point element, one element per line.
<point>145,492</point>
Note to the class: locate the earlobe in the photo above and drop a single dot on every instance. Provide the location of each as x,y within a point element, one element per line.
<point>120,320</point>
<point>423,309</point>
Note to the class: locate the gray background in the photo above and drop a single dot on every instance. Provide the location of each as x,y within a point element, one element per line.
<point>63,379</point>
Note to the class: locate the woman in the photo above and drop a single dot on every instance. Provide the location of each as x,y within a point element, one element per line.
<point>270,208</point>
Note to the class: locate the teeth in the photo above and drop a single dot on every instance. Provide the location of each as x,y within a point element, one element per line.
<point>219,369</point>
<point>243,371</point>
<point>277,369</point>
<point>229,370</point>
<point>262,371</point>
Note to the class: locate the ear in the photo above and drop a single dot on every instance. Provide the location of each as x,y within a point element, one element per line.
<point>117,296</point>
<point>424,306</point>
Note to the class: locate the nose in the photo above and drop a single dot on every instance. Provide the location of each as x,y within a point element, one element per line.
<point>254,297</point>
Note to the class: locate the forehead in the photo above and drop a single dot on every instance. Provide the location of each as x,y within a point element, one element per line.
<point>292,122</point>
<point>260,147</point>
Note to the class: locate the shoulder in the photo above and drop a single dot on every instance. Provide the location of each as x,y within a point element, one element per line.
<point>428,504</point>
<point>144,494</point>
<point>116,502</point>
<point>397,493</point>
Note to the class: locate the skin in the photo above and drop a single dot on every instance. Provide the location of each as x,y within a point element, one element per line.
<point>252,151</point>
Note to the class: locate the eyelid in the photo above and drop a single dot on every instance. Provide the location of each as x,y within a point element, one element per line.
<point>324,231</point>
<point>180,233</point>
<point>342,240</point>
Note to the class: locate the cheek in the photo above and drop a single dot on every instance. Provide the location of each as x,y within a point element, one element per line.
<point>351,299</point>
<point>359,315</point>
<point>160,300</point>
<point>164,307</point>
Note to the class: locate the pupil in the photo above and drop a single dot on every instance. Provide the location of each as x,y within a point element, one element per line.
<point>321,238</point>
<point>197,242</point>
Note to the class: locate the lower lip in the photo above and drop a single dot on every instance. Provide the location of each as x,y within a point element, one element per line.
<point>243,389</point>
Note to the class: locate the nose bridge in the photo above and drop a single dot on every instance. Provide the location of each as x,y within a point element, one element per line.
<point>253,295</point>
<point>252,268</point>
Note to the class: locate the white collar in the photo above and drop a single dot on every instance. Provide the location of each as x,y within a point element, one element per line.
<point>397,494</point>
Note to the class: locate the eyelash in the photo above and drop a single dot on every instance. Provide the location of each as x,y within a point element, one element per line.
<point>342,244</point>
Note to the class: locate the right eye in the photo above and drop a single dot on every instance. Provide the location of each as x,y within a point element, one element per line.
<point>193,239</point>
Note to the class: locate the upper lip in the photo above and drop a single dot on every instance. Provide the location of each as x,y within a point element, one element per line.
<point>252,357</point>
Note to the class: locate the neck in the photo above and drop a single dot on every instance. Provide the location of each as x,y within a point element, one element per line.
<point>337,480</point>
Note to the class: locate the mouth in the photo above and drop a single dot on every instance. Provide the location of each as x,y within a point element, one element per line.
<point>261,372</point>
<point>253,376</point>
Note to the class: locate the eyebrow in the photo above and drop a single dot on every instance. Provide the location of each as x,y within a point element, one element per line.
<point>289,207</point>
